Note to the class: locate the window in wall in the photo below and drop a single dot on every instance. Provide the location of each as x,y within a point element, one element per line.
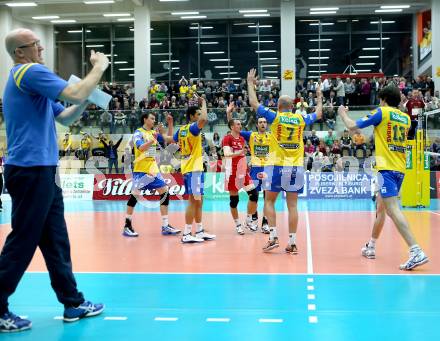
<point>123,61</point>
<point>67,60</point>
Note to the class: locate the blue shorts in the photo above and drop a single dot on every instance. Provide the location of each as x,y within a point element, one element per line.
<point>256,176</point>
<point>392,181</point>
<point>143,181</point>
<point>194,182</point>
<point>284,178</point>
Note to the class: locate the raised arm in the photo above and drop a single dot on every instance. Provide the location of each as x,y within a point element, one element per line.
<point>229,111</point>
<point>203,119</point>
<point>119,142</point>
<point>343,113</point>
<point>318,103</point>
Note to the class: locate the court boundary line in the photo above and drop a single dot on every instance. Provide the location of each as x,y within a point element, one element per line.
<point>436,213</point>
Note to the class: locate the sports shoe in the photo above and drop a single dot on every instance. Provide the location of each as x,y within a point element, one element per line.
<point>205,236</point>
<point>10,323</point>
<point>189,238</point>
<point>271,244</point>
<point>239,229</point>
<point>416,258</point>
<point>265,229</point>
<point>292,249</point>
<point>251,225</point>
<point>128,229</point>
<point>369,251</point>
<point>169,230</point>
<point>85,309</point>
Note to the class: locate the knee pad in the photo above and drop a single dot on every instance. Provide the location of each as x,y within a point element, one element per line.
<point>132,201</point>
<point>165,198</point>
<point>233,201</point>
<point>253,195</point>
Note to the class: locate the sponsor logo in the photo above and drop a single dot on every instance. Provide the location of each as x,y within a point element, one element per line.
<point>398,118</point>
<point>289,120</point>
<point>183,133</point>
<point>261,151</point>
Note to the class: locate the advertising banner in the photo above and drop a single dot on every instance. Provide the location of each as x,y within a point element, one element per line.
<point>77,186</point>
<point>339,186</point>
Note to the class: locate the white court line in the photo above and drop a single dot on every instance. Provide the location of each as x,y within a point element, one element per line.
<point>217,319</point>
<point>24,317</point>
<point>270,320</point>
<point>116,318</point>
<point>313,319</point>
<point>309,246</point>
<point>310,288</point>
<point>166,319</point>
<point>311,296</point>
<point>434,212</point>
<point>58,318</point>
<point>311,307</point>
<point>310,280</point>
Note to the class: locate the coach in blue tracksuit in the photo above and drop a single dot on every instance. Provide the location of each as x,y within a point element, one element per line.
<point>30,110</point>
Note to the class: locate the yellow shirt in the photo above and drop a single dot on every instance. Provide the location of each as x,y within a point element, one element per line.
<point>259,144</point>
<point>287,146</point>
<point>190,149</point>
<point>67,143</point>
<point>183,89</point>
<point>145,161</point>
<point>154,89</point>
<point>86,143</point>
<point>390,134</point>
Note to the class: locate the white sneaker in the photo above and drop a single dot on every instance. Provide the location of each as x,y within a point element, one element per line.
<point>265,229</point>
<point>239,229</point>
<point>369,251</point>
<point>205,236</point>
<point>251,225</point>
<point>189,238</point>
<point>416,258</point>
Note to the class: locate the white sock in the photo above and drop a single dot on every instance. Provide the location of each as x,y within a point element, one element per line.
<point>414,247</point>
<point>165,220</point>
<point>273,233</point>
<point>292,238</point>
<point>199,227</point>
<point>372,242</point>
<point>237,222</point>
<point>128,216</point>
<point>188,228</point>
<point>249,218</point>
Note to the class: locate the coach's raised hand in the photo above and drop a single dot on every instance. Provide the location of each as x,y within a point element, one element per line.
<point>99,59</point>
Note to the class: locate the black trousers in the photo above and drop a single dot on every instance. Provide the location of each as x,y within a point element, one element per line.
<point>37,221</point>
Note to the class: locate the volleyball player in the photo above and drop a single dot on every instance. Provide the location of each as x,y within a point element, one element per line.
<point>259,144</point>
<point>190,142</point>
<point>146,175</point>
<point>390,136</point>
<point>285,171</point>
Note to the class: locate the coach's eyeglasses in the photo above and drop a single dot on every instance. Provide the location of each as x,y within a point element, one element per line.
<point>36,43</point>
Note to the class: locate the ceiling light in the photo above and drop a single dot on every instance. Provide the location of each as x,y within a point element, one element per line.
<point>185,13</point>
<point>63,21</point>
<point>322,24</point>
<point>324,39</point>
<point>270,71</point>
<point>232,78</point>
<point>383,22</point>
<point>318,64</point>
<point>21,4</point>
<point>396,10</point>
<point>319,57</point>
<point>270,77</point>
<point>228,73</point>
<point>317,71</point>
<point>162,54</point>
<point>223,67</point>
<point>265,51</point>
<point>368,57</point>
<point>365,64</point>
<point>372,48</point>
<point>263,41</point>
<point>78,31</point>
<point>156,44</point>
<point>324,12</point>
<point>207,42</point>
<point>116,14</point>
<point>364,70</point>
<point>213,52</point>
<point>99,2</point>
<point>253,11</point>
<point>267,65</point>
<point>120,62</point>
<point>109,55</point>
<point>175,68</point>
<point>126,19</point>
<point>96,45</point>
<point>308,20</point>
<point>378,38</point>
<point>324,9</point>
<point>194,17</point>
<point>260,26</point>
<point>395,6</point>
<point>202,27</point>
<point>46,17</point>
<point>220,60</point>
<point>131,74</point>
<point>317,50</point>
<point>254,15</point>
<point>169,61</point>
<point>127,69</point>
<point>269,58</point>
<point>243,23</point>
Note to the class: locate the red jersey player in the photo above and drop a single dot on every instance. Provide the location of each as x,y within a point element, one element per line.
<point>237,175</point>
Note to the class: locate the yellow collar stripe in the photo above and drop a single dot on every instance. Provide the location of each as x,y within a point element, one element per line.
<point>18,76</point>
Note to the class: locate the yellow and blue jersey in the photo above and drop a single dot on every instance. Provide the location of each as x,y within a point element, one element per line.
<point>390,135</point>
<point>190,142</point>
<point>145,161</point>
<point>30,108</point>
<point>287,128</point>
<point>259,145</point>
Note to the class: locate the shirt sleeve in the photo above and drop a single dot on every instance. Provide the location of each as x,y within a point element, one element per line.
<point>138,139</point>
<point>57,108</point>
<point>176,135</point>
<point>194,129</point>
<point>267,113</point>
<point>226,142</point>
<point>309,118</point>
<point>38,79</point>
<point>246,135</point>
<point>373,119</point>
<point>160,138</point>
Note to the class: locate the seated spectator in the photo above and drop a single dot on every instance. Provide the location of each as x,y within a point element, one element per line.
<point>359,143</point>
<point>133,120</point>
<point>314,139</point>
<point>346,142</point>
<point>309,151</point>
<point>85,145</point>
<point>327,161</point>
<point>239,102</point>
<point>120,119</point>
<point>242,116</point>
<point>216,141</point>
<point>336,148</point>
<point>66,144</point>
<point>301,108</point>
<point>106,120</point>
<point>212,117</point>
<point>330,138</point>
<point>322,147</point>
<point>329,115</point>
